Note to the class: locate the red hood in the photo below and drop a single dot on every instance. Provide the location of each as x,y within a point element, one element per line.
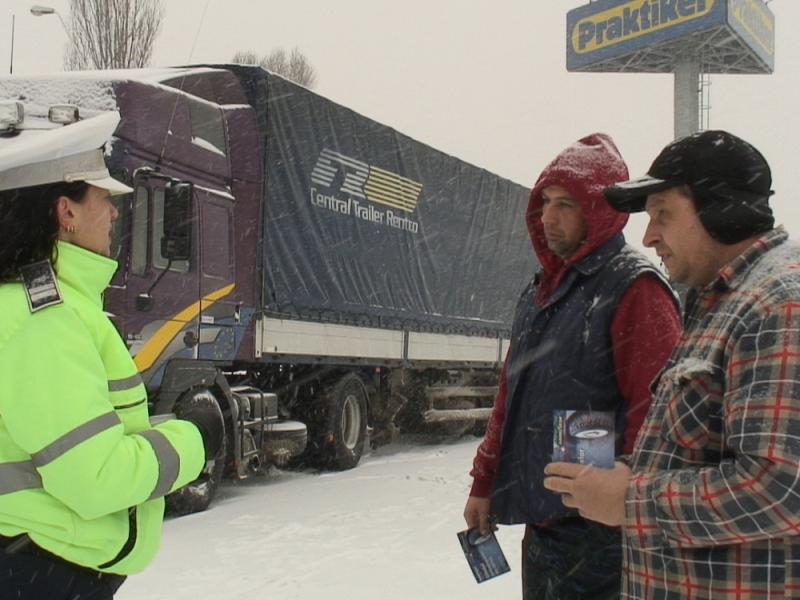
<point>583,169</point>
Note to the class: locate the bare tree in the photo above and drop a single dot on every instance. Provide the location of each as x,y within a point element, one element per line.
<point>294,67</point>
<point>248,57</point>
<point>112,34</point>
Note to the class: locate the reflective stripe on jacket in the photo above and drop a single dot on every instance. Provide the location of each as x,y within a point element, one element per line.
<point>82,472</point>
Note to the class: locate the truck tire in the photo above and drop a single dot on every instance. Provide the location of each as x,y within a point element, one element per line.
<point>345,425</point>
<point>590,425</point>
<point>197,495</point>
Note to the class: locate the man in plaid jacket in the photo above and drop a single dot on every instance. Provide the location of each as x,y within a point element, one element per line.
<point>709,502</point>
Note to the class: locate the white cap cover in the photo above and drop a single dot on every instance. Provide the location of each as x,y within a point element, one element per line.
<point>69,153</point>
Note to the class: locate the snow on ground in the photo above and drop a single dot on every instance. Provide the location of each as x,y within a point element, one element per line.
<point>385,530</point>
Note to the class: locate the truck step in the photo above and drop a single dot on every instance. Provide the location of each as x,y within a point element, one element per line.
<point>442,392</point>
<point>464,414</point>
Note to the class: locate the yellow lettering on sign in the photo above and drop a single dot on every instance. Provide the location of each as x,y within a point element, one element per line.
<point>633,19</point>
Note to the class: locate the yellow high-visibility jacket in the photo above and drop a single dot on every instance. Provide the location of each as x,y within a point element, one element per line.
<point>82,472</point>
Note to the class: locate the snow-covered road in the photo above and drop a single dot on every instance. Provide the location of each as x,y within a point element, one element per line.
<point>383,531</point>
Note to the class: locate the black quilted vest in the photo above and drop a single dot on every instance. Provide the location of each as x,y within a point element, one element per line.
<point>561,358</point>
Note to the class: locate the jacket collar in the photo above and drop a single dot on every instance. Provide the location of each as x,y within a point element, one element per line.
<point>600,257</point>
<point>732,275</point>
<point>587,265</point>
<point>84,270</point>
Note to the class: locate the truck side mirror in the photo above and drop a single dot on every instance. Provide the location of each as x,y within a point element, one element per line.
<point>176,242</point>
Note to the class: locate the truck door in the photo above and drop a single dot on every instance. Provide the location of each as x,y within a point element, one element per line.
<point>180,308</point>
<point>160,292</point>
<point>218,310</point>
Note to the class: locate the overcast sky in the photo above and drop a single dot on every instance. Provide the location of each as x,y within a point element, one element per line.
<point>484,80</point>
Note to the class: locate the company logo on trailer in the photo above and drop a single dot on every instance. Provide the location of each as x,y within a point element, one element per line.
<point>362,185</point>
<point>633,19</point>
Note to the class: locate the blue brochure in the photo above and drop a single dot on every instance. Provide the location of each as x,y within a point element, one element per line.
<point>484,555</point>
<point>584,437</point>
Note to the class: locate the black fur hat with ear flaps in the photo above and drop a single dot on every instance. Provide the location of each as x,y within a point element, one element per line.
<point>730,182</point>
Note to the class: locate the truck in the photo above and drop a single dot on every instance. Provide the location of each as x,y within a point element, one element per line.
<point>314,279</point>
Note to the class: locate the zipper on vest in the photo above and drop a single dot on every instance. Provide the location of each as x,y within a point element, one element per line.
<point>127,547</point>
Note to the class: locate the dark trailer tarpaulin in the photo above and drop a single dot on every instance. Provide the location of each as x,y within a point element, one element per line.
<point>365,225</point>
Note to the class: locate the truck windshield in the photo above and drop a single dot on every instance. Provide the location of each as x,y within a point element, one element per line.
<point>208,129</point>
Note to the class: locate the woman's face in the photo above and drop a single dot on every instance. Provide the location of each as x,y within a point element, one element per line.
<point>92,220</point>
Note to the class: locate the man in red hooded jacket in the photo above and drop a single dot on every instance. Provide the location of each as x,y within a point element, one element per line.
<point>590,333</point>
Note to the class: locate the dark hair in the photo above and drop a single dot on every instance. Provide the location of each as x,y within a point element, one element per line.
<point>29,224</point>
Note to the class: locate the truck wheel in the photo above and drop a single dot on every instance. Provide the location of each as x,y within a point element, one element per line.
<point>346,425</point>
<point>197,495</point>
<point>590,425</point>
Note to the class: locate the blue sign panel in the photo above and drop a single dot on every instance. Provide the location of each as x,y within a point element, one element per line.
<point>755,24</point>
<point>610,29</point>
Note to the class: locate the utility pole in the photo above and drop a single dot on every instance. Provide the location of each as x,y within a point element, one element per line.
<point>11,65</point>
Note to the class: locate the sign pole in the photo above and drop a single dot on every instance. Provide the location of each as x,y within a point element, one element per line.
<point>687,96</point>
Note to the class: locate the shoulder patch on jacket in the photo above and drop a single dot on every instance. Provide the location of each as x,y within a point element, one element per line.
<point>41,287</point>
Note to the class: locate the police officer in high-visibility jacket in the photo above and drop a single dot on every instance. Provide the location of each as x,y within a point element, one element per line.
<point>82,472</point>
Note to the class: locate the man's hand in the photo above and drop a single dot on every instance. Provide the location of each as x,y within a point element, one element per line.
<point>598,494</point>
<point>476,514</point>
